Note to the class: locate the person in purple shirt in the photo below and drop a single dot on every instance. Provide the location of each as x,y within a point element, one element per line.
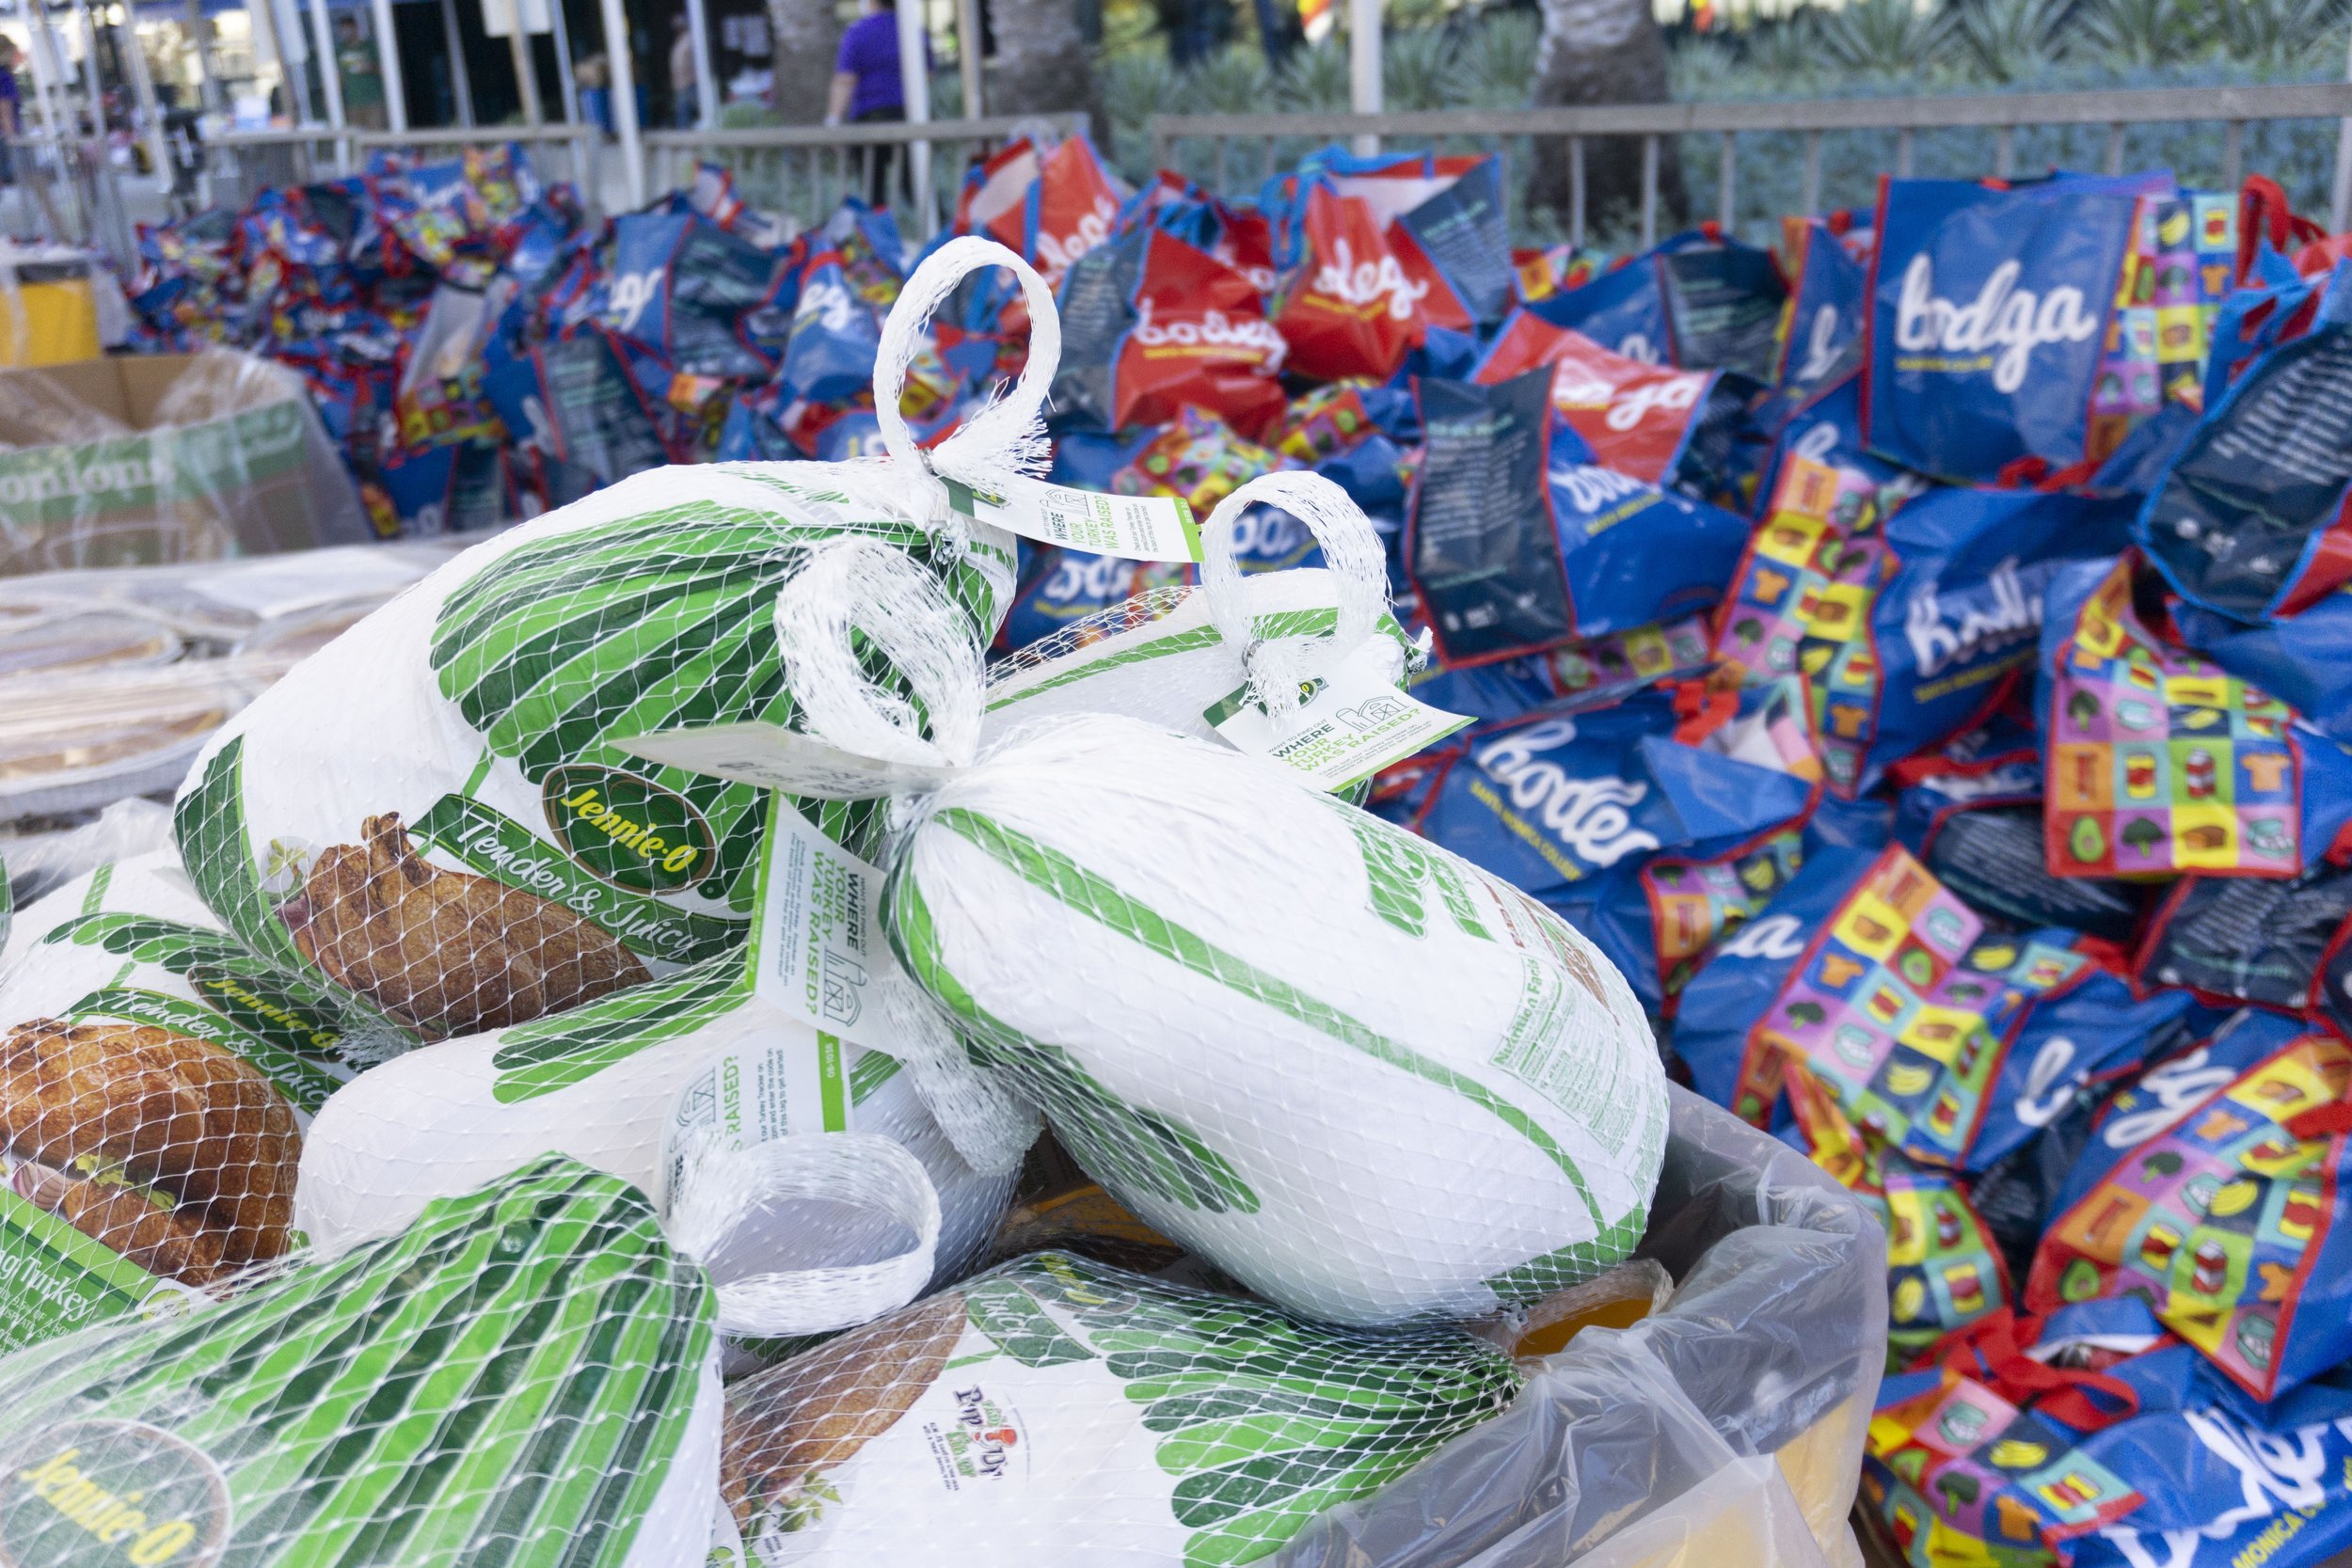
<point>11,109</point>
<point>866,87</point>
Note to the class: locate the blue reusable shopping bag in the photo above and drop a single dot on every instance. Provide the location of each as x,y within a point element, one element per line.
<point>1988,318</point>
<point>1649,843</point>
<point>1519,541</point>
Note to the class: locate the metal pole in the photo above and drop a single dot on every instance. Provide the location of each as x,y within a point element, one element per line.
<point>705,78</point>
<point>106,191</point>
<point>263,24</point>
<point>52,72</point>
<point>1649,191</point>
<point>91,83</point>
<point>293,55</point>
<point>1726,186</point>
<point>2339,202</point>
<point>526,69</point>
<point>968,41</point>
<point>388,63</point>
<point>583,147</point>
<point>460,82</point>
<point>46,66</point>
<point>1363,68</point>
<point>143,83</point>
<point>914,75</point>
<point>563,61</point>
<point>43,64</point>
<point>625,99</point>
<point>330,79</point>
<point>200,45</point>
<point>1576,192</point>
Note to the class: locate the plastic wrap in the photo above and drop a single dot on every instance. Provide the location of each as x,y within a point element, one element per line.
<point>72,742</point>
<point>1725,1429</point>
<point>39,863</point>
<point>108,462</point>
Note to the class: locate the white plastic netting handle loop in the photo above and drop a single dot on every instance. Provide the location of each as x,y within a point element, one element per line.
<point>768,1222</point>
<point>990,1127</point>
<point>1008,435</point>
<point>1351,550</point>
<point>867,587</point>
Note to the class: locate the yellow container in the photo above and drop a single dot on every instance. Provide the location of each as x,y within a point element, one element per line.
<point>50,314</point>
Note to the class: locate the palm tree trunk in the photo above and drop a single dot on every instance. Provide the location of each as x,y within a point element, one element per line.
<point>1602,52</point>
<point>807,38</point>
<point>1043,62</point>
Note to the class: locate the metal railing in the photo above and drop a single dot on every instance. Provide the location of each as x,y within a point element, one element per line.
<point>69,184</point>
<point>2004,114</point>
<point>242,163</point>
<point>804,171</point>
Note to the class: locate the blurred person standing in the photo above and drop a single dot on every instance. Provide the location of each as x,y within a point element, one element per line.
<point>594,77</point>
<point>11,109</point>
<point>362,75</point>
<point>685,86</point>
<point>868,87</point>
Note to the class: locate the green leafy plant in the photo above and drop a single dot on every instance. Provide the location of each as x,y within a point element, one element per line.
<point>1883,36</point>
<point>2010,39</point>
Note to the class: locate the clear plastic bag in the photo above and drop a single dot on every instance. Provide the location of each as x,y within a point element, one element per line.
<point>1725,1429</point>
<point>166,458</point>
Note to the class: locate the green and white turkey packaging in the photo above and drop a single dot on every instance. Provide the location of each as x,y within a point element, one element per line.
<point>155,1081</point>
<point>1059,1413</point>
<point>1363,1076</point>
<point>1358,1074</point>
<point>634,1085</point>
<point>431,810</point>
<point>526,1375</point>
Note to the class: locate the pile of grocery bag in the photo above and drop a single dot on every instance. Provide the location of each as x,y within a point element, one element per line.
<point>1970,809</point>
<point>1902,674</point>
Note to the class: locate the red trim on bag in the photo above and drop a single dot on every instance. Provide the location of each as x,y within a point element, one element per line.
<point>1992,1350</point>
<point>2325,566</point>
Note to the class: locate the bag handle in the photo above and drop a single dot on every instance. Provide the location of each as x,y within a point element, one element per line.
<point>730,1205</point>
<point>1351,549</point>
<point>1009,434</point>
<point>850,588</point>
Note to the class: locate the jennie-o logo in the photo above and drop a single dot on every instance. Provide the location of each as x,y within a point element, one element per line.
<point>626,829</point>
<point>2000,327</point>
<point>100,1493</point>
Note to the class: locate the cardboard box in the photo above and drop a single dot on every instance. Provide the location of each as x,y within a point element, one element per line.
<point>190,457</point>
